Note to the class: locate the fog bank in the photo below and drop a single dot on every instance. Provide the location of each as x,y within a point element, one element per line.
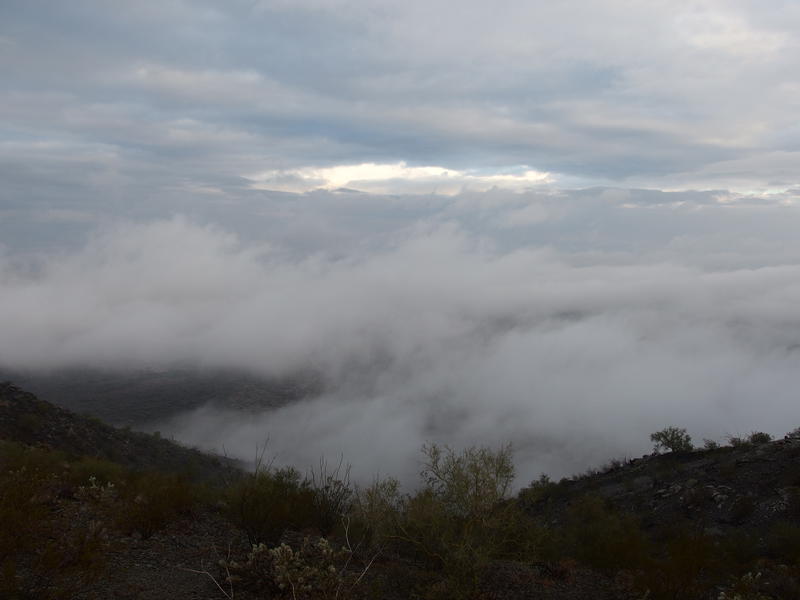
<point>570,326</point>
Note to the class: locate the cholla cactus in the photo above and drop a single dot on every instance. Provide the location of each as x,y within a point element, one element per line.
<point>744,588</point>
<point>310,573</point>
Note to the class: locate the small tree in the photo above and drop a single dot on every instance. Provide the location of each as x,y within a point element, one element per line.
<point>672,439</point>
<point>462,519</point>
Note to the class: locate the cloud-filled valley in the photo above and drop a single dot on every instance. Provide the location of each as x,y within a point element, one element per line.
<point>569,323</point>
<point>560,224</point>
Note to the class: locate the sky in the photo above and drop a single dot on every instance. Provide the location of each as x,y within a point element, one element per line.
<point>561,224</point>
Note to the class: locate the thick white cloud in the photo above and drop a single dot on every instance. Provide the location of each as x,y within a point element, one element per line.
<point>574,349</point>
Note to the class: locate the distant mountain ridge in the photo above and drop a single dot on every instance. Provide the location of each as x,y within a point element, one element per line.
<point>145,396</point>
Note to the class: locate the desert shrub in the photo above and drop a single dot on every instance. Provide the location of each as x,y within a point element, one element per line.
<point>759,437</point>
<point>58,556</point>
<point>736,441</point>
<point>332,495</point>
<point>746,587</point>
<point>598,536</point>
<point>375,512</point>
<point>315,571</point>
<point>542,490</point>
<point>151,500</point>
<point>23,509</point>
<point>268,502</point>
<point>469,483</point>
<point>685,569</point>
<point>14,456</point>
<point>461,519</point>
<point>672,439</point>
<point>103,471</point>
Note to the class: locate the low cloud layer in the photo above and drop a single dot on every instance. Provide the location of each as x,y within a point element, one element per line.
<point>570,323</point>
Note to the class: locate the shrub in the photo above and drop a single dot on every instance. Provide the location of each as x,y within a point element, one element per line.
<point>759,437</point>
<point>600,537</point>
<point>461,519</point>
<point>58,555</point>
<point>152,500</point>
<point>332,495</point>
<point>673,439</point>
<point>710,444</point>
<point>542,490</point>
<point>313,572</point>
<point>267,503</point>
<point>684,571</point>
<point>469,483</point>
<point>375,512</point>
<point>738,442</point>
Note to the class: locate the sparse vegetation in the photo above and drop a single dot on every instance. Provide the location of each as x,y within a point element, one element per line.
<point>641,526</point>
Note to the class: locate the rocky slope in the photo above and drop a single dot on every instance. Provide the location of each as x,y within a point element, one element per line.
<point>699,525</point>
<point>27,419</point>
<point>745,488</point>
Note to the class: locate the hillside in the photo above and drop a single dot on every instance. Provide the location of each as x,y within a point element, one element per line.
<point>145,396</point>
<point>26,419</point>
<point>92,511</point>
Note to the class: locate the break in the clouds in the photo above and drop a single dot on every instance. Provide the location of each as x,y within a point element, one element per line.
<point>571,324</point>
<point>152,99</point>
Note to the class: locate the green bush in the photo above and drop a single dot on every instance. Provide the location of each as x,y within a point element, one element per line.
<point>461,519</point>
<point>542,490</point>
<point>374,513</point>
<point>600,537</point>
<point>736,441</point>
<point>673,439</point>
<point>151,500</point>
<point>759,437</point>
<point>267,503</point>
<point>686,568</point>
<point>58,557</point>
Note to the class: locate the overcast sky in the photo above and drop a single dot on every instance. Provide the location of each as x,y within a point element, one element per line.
<point>562,224</point>
<point>152,98</point>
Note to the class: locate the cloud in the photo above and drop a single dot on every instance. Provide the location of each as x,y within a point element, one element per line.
<point>668,94</point>
<point>564,232</point>
<point>570,345</point>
